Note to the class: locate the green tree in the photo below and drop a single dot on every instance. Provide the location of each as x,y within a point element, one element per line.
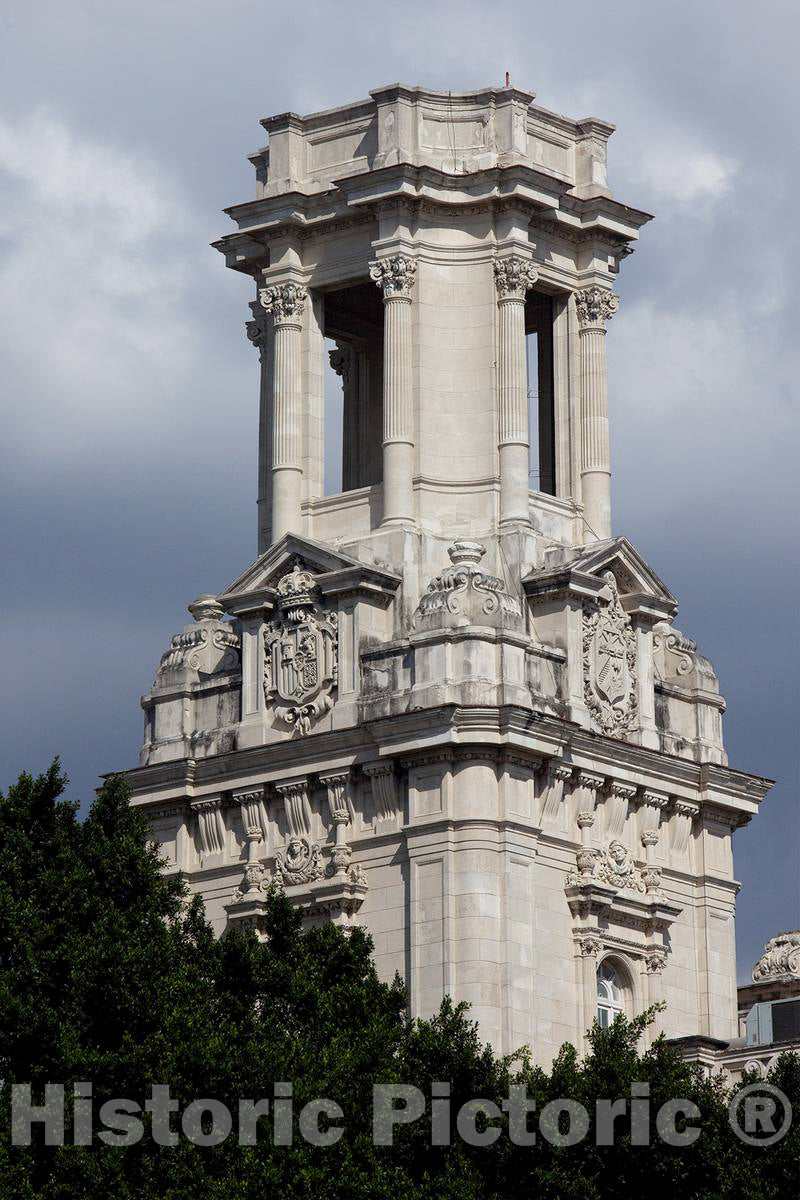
<point>109,974</point>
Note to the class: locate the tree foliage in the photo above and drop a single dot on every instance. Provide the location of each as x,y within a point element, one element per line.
<point>109,974</point>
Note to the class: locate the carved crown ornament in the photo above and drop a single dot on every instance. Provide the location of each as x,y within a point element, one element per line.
<point>595,305</point>
<point>514,276</point>
<point>394,276</point>
<point>609,661</point>
<point>284,300</point>
<point>300,653</point>
<point>464,594</point>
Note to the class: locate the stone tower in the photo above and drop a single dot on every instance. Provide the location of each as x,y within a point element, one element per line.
<point>448,703</point>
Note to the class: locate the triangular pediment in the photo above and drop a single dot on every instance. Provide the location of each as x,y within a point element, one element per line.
<point>329,566</point>
<point>630,570</point>
<point>634,577</point>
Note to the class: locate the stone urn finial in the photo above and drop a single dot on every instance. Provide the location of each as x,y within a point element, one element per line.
<point>466,552</point>
<point>206,608</point>
<point>464,594</point>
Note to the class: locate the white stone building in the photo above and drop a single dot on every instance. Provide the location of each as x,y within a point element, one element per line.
<point>448,702</point>
<point>769,1016</point>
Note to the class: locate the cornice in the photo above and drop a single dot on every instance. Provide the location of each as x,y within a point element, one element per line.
<point>734,795</point>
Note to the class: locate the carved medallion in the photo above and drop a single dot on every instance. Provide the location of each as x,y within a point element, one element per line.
<point>609,662</point>
<point>300,653</point>
<point>299,862</point>
<point>615,866</point>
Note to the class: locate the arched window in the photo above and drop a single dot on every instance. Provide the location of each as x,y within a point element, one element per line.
<point>610,994</point>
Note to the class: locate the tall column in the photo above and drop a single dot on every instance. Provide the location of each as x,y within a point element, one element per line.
<point>594,306</point>
<point>513,277</point>
<point>258,331</point>
<point>395,277</point>
<point>341,360</point>
<point>286,302</point>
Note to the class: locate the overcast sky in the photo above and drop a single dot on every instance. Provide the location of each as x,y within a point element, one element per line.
<point>129,427</point>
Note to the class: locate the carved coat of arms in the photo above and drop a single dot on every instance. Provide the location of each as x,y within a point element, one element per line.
<point>300,652</point>
<point>609,662</point>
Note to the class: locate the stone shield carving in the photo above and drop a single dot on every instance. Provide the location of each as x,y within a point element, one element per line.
<point>300,653</point>
<point>609,662</point>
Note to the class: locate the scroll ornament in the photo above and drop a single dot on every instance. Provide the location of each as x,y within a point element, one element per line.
<point>465,591</point>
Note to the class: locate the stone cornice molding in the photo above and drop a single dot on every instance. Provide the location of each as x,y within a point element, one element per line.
<point>285,301</point>
<point>724,791</point>
<point>394,275</point>
<point>445,755</point>
<point>250,796</point>
<point>594,306</point>
<point>623,791</point>
<point>513,277</point>
<point>559,770</point>
<point>511,758</point>
<point>588,779</point>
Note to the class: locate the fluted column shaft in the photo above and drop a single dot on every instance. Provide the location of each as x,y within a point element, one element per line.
<point>286,302</point>
<point>595,305</point>
<point>395,277</point>
<point>258,332</point>
<point>513,277</point>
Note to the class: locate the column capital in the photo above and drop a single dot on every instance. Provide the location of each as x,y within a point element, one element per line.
<point>590,945</point>
<point>341,359</point>
<point>595,305</point>
<point>285,301</point>
<point>513,276</point>
<point>394,276</point>
<point>257,333</point>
